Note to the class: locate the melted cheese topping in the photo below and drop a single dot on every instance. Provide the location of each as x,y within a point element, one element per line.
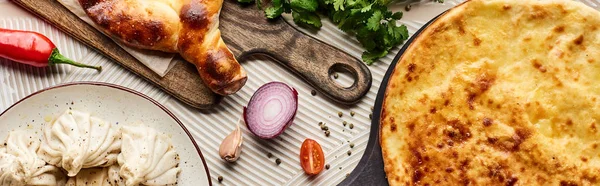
<point>76,140</point>
<point>147,157</point>
<point>20,164</point>
<point>497,92</point>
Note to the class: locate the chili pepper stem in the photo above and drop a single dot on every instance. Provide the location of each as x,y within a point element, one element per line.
<point>57,58</point>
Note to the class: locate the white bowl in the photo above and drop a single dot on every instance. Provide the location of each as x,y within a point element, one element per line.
<point>115,104</point>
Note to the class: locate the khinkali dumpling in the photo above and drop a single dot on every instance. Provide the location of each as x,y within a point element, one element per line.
<point>147,157</point>
<point>20,164</point>
<point>75,140</point>
<point>107,176</point>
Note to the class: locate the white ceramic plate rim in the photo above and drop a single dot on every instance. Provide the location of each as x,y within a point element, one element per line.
<point>131,91</point>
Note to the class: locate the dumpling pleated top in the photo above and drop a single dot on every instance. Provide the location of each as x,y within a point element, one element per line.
<point>20,165</point>
<point>147,157</point>
<point>76,140</point>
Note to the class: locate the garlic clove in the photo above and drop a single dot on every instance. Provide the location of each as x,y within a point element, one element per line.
<point>231,146</point>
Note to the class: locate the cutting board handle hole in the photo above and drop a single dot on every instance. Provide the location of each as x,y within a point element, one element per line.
<point>343,75</point>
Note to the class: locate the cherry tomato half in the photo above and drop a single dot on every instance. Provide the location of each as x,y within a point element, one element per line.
<point>312,159</point>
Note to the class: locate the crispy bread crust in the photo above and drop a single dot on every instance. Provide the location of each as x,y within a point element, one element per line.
<point>188,27</point>
<point>497,92</point>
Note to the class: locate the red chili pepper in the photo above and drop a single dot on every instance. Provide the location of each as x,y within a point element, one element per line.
<point>33,49</point>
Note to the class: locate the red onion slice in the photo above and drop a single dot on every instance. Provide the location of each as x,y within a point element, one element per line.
<point>271,109</point>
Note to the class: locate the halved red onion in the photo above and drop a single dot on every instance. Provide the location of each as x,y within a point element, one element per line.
<point>271,109</point>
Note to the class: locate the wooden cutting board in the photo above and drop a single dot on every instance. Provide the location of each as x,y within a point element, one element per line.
<point>247,32</point>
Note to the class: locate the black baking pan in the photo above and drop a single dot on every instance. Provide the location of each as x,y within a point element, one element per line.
<point>369,170</point>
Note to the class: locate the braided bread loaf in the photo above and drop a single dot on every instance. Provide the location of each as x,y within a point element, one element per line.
<point>187,27</point>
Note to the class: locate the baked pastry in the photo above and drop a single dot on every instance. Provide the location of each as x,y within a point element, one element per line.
<point>76,140</point>
<point>20,164</point>
<point>187,27</point>
<point>497,92</point>
<point>147,157</point>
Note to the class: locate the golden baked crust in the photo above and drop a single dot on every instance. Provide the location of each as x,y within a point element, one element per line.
<point>188,27</point>
<point>497,92</point>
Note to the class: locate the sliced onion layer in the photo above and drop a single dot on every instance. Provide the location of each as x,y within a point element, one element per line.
<point>271,109</point>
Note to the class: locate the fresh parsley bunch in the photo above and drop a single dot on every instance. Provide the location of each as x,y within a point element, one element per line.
<point>369,20</point>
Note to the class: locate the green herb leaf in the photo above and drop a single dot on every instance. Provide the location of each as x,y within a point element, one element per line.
<point>374,21</point>
<point>366,8</point>
<point>338,4</point>
<point>371,57</point>
<point>370,21</point>
<point>273,12</point>
<point>397,15</point>
<point>307,19</point>
<point>304,5</point>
